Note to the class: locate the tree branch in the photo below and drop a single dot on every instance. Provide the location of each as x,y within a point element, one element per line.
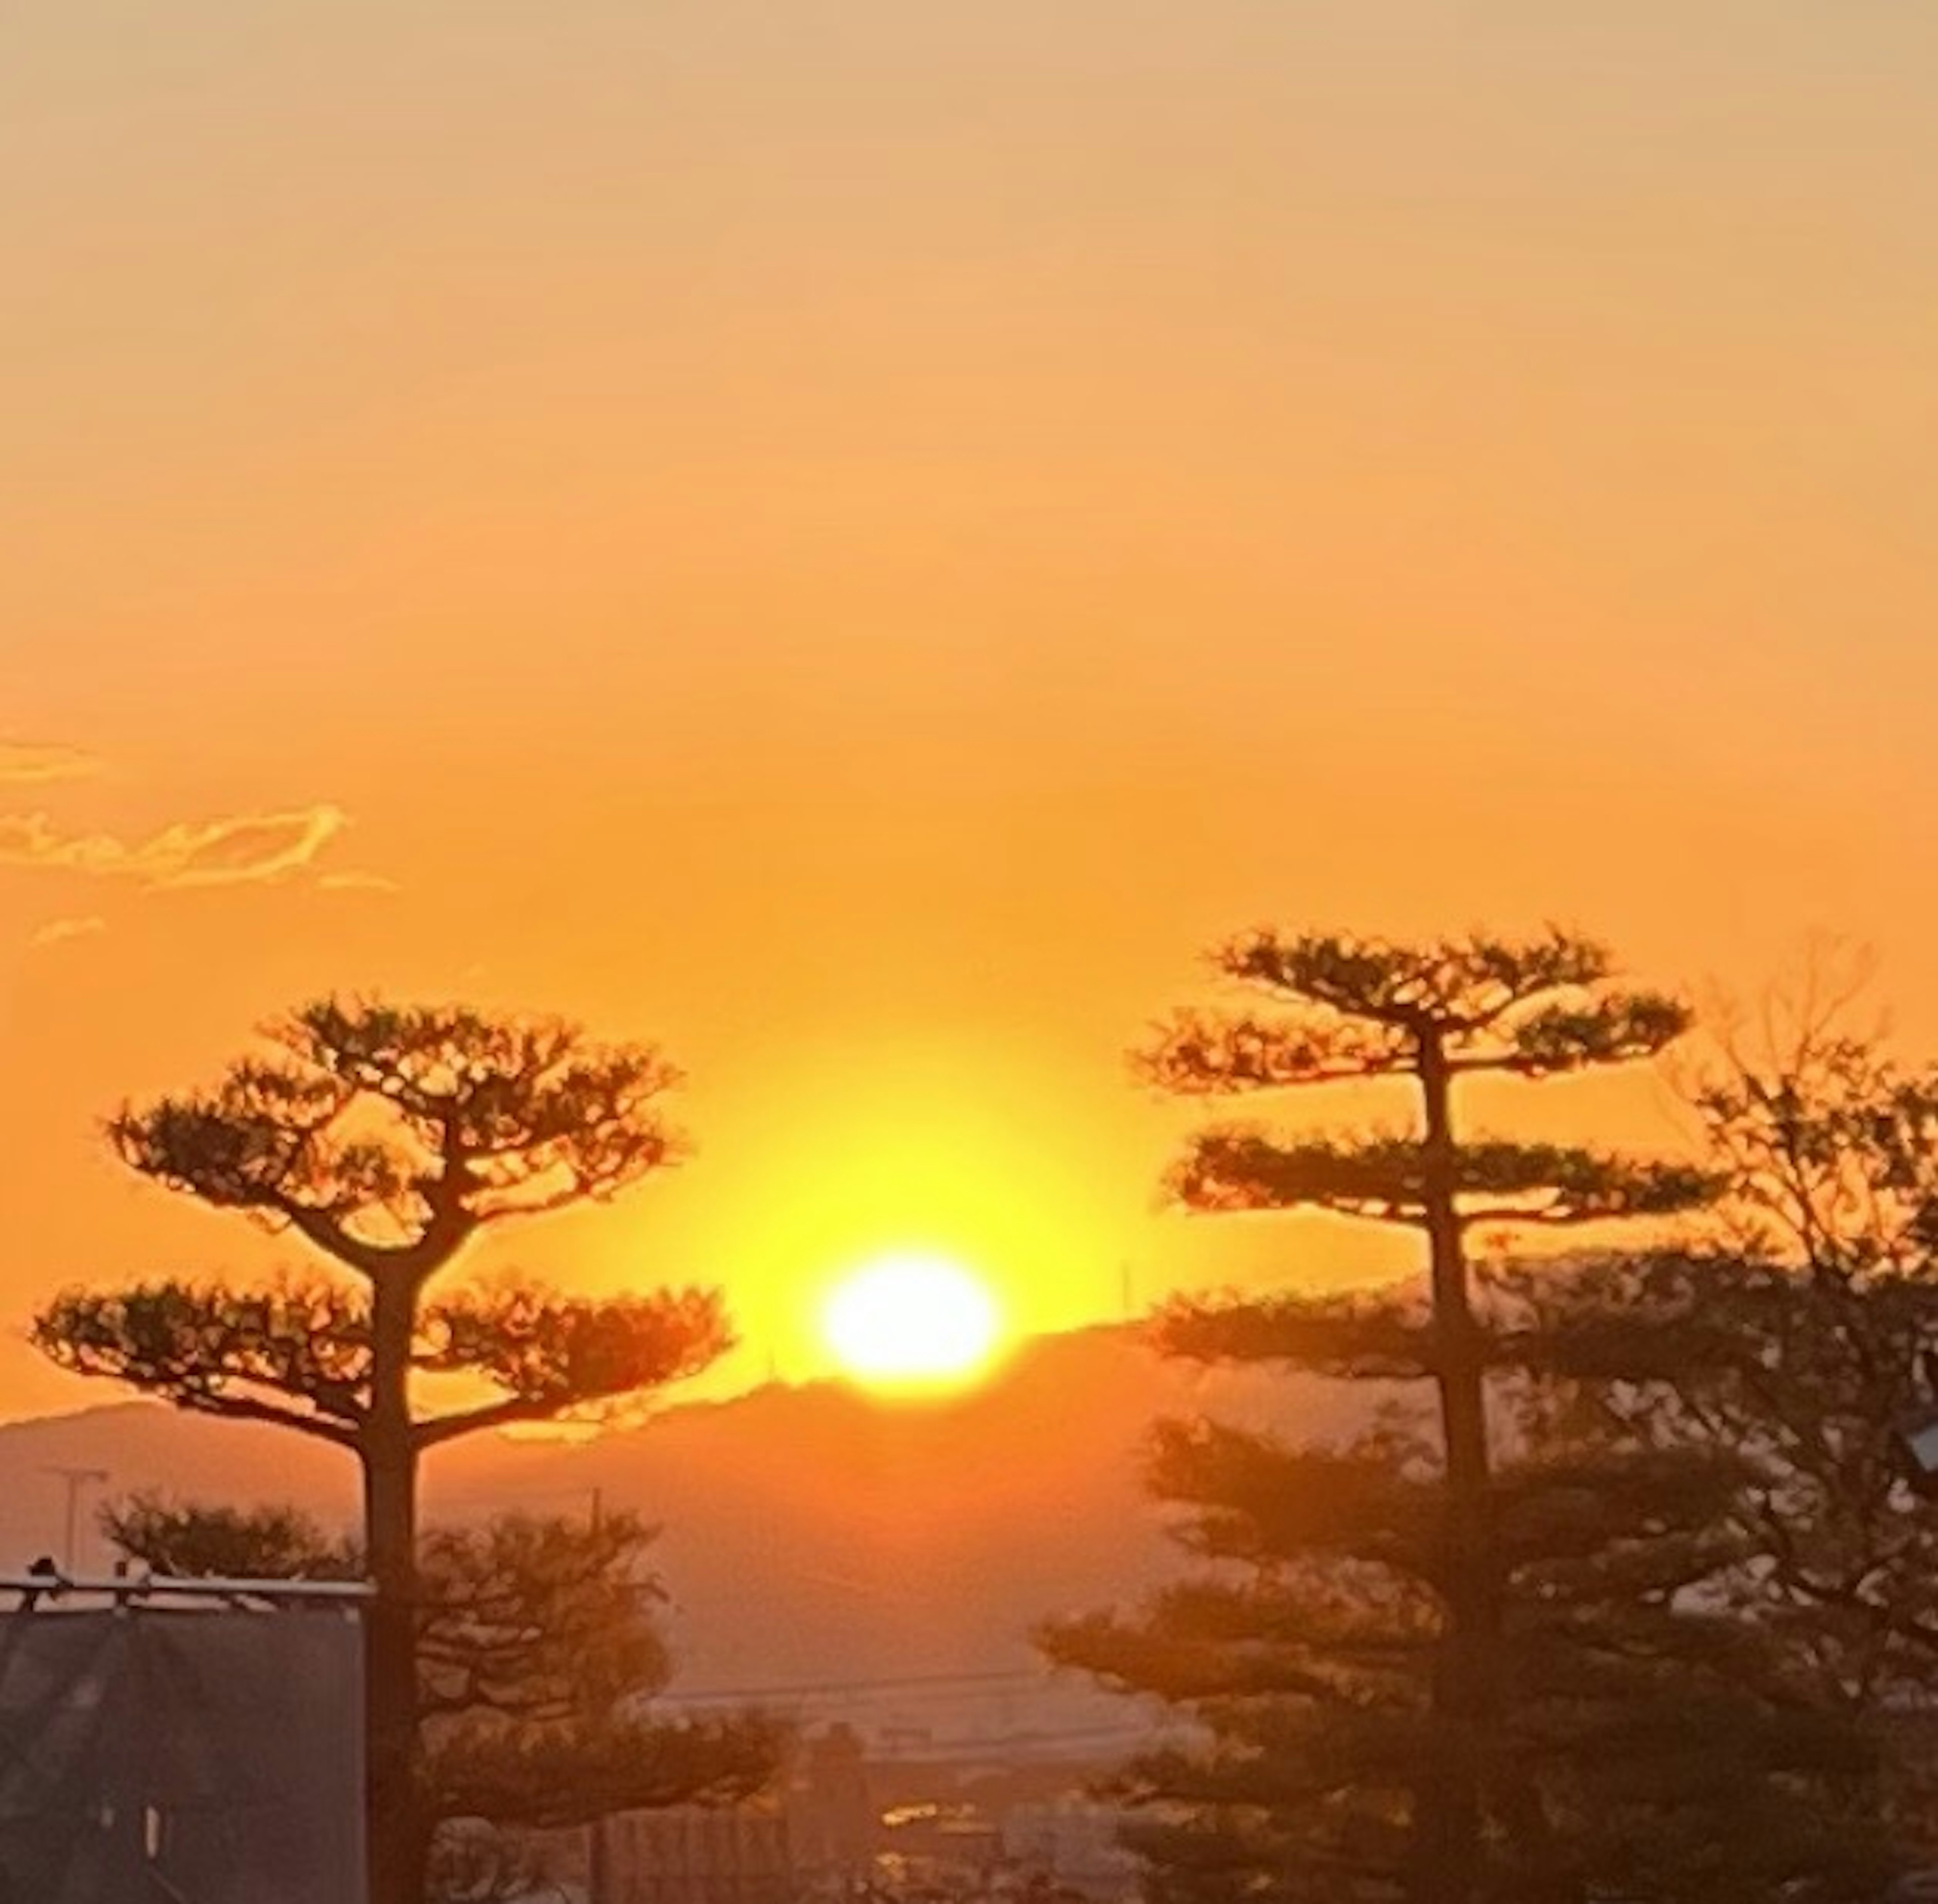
<point>239,1407</point>
<point>512,1412</point>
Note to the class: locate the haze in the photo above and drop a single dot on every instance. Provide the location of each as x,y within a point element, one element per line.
<point>854,538</point>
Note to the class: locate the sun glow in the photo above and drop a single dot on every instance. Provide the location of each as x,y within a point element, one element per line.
<point>907,1320</point>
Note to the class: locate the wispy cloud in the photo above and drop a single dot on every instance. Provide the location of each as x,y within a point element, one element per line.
<point>231,849</point>
<point>58,931</point>
<point>239,850</point>
<point>25,763</point>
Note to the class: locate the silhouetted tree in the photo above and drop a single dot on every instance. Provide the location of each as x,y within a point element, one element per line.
<point>1818,1312</point>
<point>537,1654</point>
<point>389,1138</point>
<point>1415,1667</point>
<point>1639,1748</point>
<point>190,1540</point>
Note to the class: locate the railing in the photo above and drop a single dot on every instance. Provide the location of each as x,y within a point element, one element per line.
<point>49,1585</point>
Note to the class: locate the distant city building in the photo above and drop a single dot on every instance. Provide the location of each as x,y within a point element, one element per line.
<point>694,1854</point>
<point>831,1812</point>
<point>822,1827</point>
<point>843,1825</point>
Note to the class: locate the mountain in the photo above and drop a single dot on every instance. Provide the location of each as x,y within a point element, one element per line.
<point>813,1536</point>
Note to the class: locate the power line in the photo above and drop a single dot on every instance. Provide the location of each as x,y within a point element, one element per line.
<point>805,1688</point>
<point>1116,1735</point>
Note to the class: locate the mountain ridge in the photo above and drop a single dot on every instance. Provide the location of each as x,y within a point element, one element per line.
<point>809,1534</point>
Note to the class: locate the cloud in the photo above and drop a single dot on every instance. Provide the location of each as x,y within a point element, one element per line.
<point>240,849</point>
<point>23,763</point>
<point>231,850</point>
<point>58,931</point>
<point>236,852</point>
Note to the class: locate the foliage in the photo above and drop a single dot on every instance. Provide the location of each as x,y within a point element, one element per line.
<point>1466,1664</point>
<point>195,1542</point>
<point>389,1138</point>
<point>486,1118</point>
<point>1818,1308</point>
<point>1828,1145</point>
<point>303,1355</point>
<point>1494,1181</point>
<point>537,1654</point>
<point>1645,1737</point>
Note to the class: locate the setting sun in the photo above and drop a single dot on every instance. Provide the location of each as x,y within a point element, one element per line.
<point>909,1320</point>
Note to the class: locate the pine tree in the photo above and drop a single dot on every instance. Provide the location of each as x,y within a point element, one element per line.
<point>1413,1669</point>
<point>388,1139</point>
<point>538,1654</point>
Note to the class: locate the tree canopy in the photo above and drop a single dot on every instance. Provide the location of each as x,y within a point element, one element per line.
<point>303,1354</point>
<point>1456,1659</point>
<point>1816,1303</point>
<point>538,1657</point>
<point>388,1138</point>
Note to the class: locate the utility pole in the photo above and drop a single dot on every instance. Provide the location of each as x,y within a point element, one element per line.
<point>599,1844</point>
<point>77,1479</point>
<point>598,1863</point>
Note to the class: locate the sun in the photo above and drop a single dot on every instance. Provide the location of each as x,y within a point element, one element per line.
<point>911,1320</point>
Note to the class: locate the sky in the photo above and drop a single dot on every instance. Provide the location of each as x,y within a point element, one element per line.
<point>853,540</point>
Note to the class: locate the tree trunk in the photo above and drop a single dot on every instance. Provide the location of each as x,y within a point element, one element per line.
<point>389,1456</point>
<point>1447,1825</point>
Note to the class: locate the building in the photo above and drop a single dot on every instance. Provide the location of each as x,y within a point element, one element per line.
<point>697,1855</point>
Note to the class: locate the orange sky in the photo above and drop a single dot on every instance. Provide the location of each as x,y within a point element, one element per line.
<point>853,538</point>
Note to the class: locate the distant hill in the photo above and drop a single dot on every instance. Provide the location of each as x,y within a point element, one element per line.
<point>812,1535</point>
